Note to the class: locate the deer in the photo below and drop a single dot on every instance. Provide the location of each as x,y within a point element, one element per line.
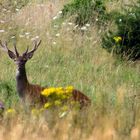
<point>28,92</point>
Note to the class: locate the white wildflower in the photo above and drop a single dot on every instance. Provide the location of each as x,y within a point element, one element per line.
<point>17,9</point>
<point>2,31</point>
<point>27,33</point>
<point>54,18</point>
<point>57,35</point>
<point>88,25</point>
<point>13,37</point>
<point>84,28</point>
<point>34,38</point>
<point>70,23</point>
<point>60,12</point>
<point>97,19</point>
<point>54,43</point>
<point>37,37</point>
<point>120,20</point>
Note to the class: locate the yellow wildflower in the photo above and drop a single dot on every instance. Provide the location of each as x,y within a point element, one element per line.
<point>42,110</point>
<point>64,96</point>
<point>35,112</point>
<point>65,108</point>
<point>47,105</point>
<point>57,102</point>
<point>57,91</point>
<point>60,91</point>
<point>117,39</point>
<point>48,91</point>
<point>10,112</point>
<point>70,88</point>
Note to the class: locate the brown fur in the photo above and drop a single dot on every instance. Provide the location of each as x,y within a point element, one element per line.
<point>33,92</point>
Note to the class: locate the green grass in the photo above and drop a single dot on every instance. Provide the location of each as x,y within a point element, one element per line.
<point>78,60</point>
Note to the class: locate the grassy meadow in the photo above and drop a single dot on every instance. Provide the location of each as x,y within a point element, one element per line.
<point>65,57</point>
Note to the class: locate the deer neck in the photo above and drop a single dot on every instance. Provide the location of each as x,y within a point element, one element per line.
<point>21,81</point>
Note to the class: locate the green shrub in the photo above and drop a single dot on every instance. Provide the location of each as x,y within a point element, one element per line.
<point>85,11</point>
<point>128,25</point>
<point>8,93</point>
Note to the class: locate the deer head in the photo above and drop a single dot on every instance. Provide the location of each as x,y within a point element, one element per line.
<point>20,60</point>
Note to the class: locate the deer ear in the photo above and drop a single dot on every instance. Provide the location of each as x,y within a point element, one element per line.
<point>29,55</point>
<point>11,54</point>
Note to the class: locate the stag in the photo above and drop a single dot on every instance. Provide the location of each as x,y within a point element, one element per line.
<point>29,92</point>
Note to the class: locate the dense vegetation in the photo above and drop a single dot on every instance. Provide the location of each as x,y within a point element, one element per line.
<point>127,22</point>
<point>129,31</point>
<point>86,11</point>
<point>72,54</point>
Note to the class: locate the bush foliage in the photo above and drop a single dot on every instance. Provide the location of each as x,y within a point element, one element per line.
<point>128,25</point>
<point>127,22</point>
<point>85,11</point>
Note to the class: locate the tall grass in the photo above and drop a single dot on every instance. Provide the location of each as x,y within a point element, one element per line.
<point>69,57</point>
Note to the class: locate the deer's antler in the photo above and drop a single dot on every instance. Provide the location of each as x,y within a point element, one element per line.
<point>11,54</point>
<point>4,46</point>
<point>36,44</point>
<point>17,54</point>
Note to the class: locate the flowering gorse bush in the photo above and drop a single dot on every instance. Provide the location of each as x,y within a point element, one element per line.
<point>58,97</point>
<point>58,93</point>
